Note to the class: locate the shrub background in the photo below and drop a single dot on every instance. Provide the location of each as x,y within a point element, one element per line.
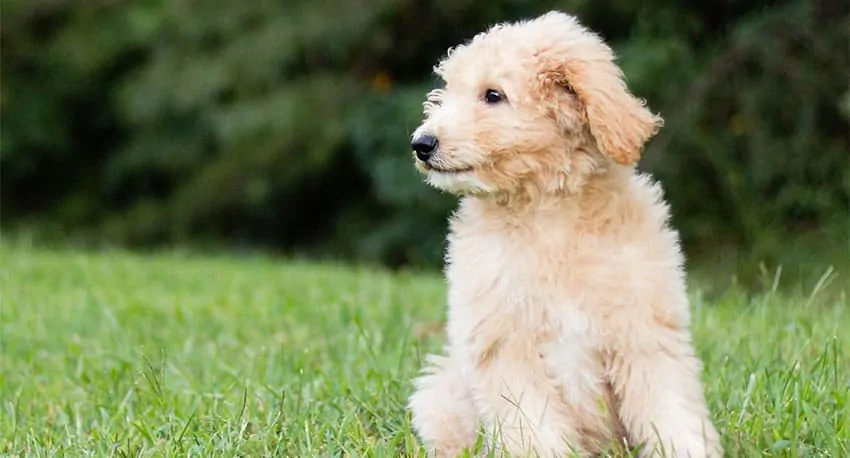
<point>284,125</point>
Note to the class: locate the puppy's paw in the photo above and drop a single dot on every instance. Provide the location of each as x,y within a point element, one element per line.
<point>695,448</point>
<point>442,411</point>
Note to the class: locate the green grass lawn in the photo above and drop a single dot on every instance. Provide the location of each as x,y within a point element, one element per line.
<point>166,355</point>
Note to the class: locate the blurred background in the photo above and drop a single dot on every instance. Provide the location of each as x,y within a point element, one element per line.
<point>283,126</point>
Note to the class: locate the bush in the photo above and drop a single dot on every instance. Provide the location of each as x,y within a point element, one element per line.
<point>286,124</point>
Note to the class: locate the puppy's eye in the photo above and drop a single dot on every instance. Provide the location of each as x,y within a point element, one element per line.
<point>492,96</point>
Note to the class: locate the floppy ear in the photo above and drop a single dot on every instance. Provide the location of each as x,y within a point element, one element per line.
<point>620,122</point>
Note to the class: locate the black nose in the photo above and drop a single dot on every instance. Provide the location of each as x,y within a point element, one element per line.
<point>424,145</point>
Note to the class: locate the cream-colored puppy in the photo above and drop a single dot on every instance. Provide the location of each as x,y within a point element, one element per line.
<point>568,316</point>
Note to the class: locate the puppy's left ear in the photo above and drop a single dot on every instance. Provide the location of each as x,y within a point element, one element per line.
<point>620,122</point>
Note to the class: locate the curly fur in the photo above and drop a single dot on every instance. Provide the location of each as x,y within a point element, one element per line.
<point>567,309</point>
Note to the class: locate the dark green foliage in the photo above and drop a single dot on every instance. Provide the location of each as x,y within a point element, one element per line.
<point>285,124</point>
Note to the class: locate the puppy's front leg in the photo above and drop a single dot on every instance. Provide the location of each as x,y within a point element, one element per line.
<point>524,413</point>
<point>444,416</point>
<point>656,375</point>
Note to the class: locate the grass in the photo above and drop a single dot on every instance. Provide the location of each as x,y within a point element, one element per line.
<point>113,354</point>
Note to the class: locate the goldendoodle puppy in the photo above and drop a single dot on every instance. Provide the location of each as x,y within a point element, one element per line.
<point>567,309</point>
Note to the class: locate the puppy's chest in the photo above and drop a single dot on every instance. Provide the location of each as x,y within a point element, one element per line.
<point>513,280</point>
<point>511,300</point>
<point>510,270</point>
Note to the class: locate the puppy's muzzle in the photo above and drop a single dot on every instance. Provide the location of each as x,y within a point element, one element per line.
<point>425,146</point>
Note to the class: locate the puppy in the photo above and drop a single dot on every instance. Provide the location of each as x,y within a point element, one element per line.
<point>568,318</point>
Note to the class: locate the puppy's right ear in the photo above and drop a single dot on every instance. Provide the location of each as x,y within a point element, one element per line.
<point>583,64</point>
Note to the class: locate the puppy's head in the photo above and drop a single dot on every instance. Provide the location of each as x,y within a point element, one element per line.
<point>537,102</point>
